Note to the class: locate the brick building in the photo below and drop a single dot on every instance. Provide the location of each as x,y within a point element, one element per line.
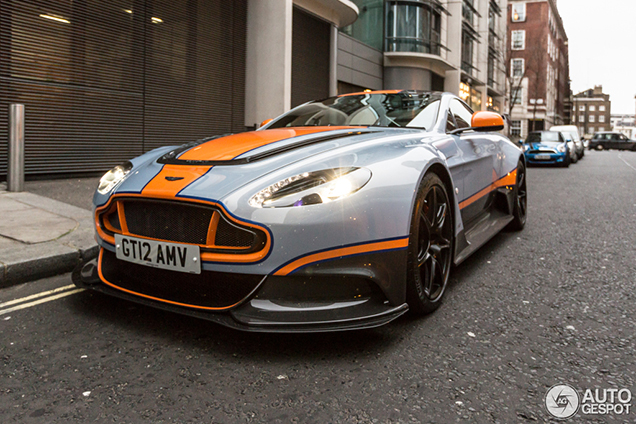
<point>538,62</point>
<point>592,111</point>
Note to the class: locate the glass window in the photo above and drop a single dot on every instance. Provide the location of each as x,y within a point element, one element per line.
<point>582,108</point>
<point>491,69</point>
<point>467,52</point>
<point>601,108</point>
<point>368,27</point>
<point>405,109</point>
<point>601,128</point>
<point>581,118</point>
<point>601,118</point>
<point>592,108</point>
<point>515,128</point>
<point>412,27</point>
<point>518,40</point>
<point>517,67</point>
<point>462,114</point>
<point>518,12</point>
<point>591,118</point>
<point>590,130</point>
<point>517,96</point>
<point>450,121</point>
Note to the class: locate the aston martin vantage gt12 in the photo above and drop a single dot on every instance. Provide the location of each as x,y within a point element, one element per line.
<point>340,214</point>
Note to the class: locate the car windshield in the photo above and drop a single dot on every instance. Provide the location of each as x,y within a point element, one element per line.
<point>543,136</point>
<point>404,109</point>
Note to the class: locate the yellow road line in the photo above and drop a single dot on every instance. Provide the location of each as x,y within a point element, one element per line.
<point>38,302</point>
<point>35,296</point>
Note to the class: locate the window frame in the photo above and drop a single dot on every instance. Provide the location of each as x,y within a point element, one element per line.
<point>522,34</point>
<point>512,67</point>
<point>521,13</point>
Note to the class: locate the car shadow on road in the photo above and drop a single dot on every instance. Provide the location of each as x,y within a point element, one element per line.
<point>143,322</point>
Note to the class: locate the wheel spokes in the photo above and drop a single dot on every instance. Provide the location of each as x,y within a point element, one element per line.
<point>429,282</point>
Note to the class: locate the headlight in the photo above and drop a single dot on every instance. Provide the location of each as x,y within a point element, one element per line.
<point>561,148</point>
<point>526,147</point>
<point>113,177</point>
<point>311,188</point>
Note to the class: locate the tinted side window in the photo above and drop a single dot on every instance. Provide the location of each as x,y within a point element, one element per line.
<point>450,122</point>
<point>463,115</point>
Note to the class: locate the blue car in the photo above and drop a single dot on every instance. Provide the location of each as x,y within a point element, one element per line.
<point>547,147</point>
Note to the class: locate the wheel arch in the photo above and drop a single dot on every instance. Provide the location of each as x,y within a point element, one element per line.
<point>444,174</point>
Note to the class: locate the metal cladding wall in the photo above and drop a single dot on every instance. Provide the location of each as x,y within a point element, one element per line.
<point>310,58</point>
<point>104,81</point>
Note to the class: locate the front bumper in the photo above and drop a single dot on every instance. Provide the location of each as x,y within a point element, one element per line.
<point>545,158</point>
<point>288,304</point>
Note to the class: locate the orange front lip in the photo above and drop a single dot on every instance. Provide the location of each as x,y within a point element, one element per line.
<point>207,308</point>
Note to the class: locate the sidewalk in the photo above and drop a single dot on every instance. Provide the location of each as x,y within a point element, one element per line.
<point>41,237</point>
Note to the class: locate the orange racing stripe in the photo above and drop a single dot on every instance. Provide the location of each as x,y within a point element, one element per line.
<point>509,179</point>
<point>160,187</point>
<point>372,92</point>
<point>231,146</point>
<point>344,251</point>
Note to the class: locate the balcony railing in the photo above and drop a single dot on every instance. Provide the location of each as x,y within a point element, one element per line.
<point>413,44</point>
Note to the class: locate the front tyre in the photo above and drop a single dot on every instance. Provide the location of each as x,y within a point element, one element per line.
<point>520,207</point>
<point>431,242</point>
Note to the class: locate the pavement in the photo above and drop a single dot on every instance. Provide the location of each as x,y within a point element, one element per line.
<point>41,236</point>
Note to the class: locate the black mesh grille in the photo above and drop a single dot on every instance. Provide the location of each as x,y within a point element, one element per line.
<point>231,236</point>
<point>208,289</point>
<point>168,220</point>
<point>113,219</point>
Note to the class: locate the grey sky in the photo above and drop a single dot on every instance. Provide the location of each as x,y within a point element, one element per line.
<point>602,34</point>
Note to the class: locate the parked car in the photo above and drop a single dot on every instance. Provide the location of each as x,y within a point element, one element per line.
<point>340,214</point>
<point>573,131</point>
<point>612,140</point>
<point>574,157</point>
<point>547,147</point>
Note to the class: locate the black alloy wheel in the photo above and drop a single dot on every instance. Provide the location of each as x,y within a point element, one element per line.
<point>431,244</point>
<point>520,208</point>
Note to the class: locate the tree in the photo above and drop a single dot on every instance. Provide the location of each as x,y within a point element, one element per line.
<point>534,65</point>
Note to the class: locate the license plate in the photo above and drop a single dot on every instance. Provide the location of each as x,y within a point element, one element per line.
<point>159,254</point>
<point>542,157</point>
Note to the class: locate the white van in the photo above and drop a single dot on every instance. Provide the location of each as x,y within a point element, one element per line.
<point>574,132</point>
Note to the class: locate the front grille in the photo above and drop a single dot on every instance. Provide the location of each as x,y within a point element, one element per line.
<point>538,152</point>
<point>208,289</point>
<point>178,222</point>
<point>232,236</point>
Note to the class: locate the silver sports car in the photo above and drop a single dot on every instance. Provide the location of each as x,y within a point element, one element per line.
<point>342,213</point>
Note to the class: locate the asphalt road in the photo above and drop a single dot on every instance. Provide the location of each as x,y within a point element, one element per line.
<point>552,304</point>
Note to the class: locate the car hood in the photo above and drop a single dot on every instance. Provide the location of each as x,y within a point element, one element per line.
<point>213,168</point>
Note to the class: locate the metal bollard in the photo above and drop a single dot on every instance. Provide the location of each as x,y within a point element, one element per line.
<point>15,166</point>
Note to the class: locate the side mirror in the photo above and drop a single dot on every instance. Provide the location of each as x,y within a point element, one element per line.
<point>487,121</point>
<point>265,122</point>
<point>483,121</point>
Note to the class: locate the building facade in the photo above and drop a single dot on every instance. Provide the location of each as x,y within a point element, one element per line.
<point>443,45</point>
<point>104,81</point>
<point>592,111</point>
<point>624,124</point>
<point>539,81</point>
